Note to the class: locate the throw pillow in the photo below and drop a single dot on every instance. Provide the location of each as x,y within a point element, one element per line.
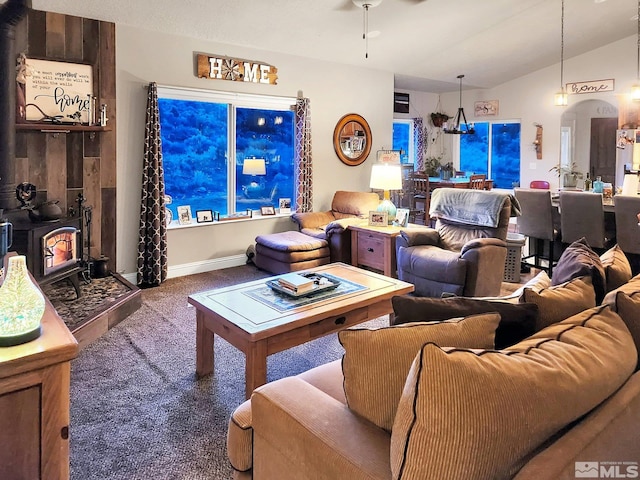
<point>376,361</point>
<point>561,301</point>
<point>628,307</point>
<point>578,260</point>
<point>616,266</point>
<point>481,414</point>
<point>632,286</point>
<point>517,321</point>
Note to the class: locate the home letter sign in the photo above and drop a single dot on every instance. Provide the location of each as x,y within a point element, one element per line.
<point>236,70</point>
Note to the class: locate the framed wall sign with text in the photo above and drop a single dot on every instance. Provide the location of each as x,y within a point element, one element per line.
<point>58,90</point>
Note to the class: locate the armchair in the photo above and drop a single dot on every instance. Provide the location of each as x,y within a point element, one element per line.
<point>347,208</point>
<point>466,251</point>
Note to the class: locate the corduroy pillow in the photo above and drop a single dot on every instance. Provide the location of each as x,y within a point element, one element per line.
<point>628,307</point>
<point>480,414</point>
<point>376,361</point>
<point>579,260</point>
<point>616,266</point>
<point>517,321</point>
<point>561,301</point>
<point>631,287</point>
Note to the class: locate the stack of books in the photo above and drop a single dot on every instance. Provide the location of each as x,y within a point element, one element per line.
<point>296,283</point>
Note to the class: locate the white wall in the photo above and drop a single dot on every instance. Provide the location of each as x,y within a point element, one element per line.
<point>530,99</point>
<point>334,90</point>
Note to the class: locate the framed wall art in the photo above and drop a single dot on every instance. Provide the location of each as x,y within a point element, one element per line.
<point>486,108</point>
<point>59,92</point>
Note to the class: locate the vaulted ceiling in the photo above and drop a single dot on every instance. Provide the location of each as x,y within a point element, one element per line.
<point>425,43</point>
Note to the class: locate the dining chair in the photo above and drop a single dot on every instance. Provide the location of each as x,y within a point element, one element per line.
<point>419,196</point>
<point>476,182</point>
<point>539,184</point>
<point>582,215</point>
<point>536,222</point>
<point>627,209</point>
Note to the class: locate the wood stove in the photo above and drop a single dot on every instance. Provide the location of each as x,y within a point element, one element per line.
<point>51,248</point>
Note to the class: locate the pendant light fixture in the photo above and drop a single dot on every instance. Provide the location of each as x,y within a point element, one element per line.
<point>460,127</point>
<point>635,89</point>
<point>561,98</point>
<point>366,5</point>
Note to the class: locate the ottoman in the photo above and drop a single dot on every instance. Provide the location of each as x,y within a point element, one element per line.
<point>289,252</point>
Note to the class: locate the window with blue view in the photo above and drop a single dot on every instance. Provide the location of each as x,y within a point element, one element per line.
<point>200,135</point>
<point>403,140</point>
<point>493,150</point>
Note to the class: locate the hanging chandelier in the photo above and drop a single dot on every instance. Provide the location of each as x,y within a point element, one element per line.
<point>366,5</point>
<point>635,89</point>
<point>561,98</point>
<point>460,127</point>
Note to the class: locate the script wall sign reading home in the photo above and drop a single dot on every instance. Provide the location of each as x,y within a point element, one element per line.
<point>236,70</point>
<point>594,86</point>
<point>58,89</point>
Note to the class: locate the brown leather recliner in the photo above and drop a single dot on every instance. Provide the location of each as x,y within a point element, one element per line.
<point>347,208</point>
<point>466,251</point>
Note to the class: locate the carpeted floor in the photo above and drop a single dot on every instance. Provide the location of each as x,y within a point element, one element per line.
<point>137,410</point>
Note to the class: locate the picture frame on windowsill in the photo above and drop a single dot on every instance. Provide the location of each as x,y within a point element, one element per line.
<point>204,216</point>
<point>184,215</point>
<point>284,205</point>
<point>267,210</point>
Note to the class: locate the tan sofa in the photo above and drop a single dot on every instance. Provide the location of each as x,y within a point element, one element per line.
<point>347,208</point>
<point>301,427</point>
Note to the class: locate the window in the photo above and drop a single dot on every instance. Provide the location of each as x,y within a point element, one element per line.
<point>202,129</point>
<point>403,140</point>
<point>493,150</point>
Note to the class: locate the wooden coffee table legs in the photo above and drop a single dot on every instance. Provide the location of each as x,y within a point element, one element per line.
<point>255,353</point>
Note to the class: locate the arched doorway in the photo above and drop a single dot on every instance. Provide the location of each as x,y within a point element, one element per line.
<point>588,138</point>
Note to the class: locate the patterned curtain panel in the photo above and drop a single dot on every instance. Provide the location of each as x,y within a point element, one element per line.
<point>152,244</point>
<point>420,143</point>
<point>303,161</point>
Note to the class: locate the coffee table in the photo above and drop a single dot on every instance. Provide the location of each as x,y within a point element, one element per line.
<point>244,316</point>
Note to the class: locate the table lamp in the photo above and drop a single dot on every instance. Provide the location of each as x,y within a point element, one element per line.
<point>253,167</point>
<point>385,177</point>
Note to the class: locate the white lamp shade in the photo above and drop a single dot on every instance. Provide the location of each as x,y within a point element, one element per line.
<point>254,166</point>
<point>386,176</point>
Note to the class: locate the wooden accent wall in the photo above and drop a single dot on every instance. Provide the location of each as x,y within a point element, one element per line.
<point>62,165</point>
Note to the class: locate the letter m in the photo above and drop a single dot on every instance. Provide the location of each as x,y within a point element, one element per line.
<point>608,472</point>
<point>250,72</point>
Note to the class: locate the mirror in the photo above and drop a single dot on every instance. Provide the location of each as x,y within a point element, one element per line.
<point>352,139</point>
<point>588,138</point>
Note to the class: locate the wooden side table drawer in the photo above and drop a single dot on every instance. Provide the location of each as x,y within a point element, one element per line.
<point>371,251</point>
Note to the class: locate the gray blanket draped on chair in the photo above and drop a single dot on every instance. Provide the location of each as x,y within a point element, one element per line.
<point>474,207</point>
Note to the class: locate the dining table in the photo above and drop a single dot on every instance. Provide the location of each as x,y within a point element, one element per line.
<point>607,203</point>
<point>455,182</point>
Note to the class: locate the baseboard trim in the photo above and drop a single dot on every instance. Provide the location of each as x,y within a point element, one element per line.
<point>197,267</point>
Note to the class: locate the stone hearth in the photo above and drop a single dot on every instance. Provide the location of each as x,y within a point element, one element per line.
<point>104,302</point>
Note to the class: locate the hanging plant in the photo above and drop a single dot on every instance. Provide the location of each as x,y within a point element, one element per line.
<point>438,119</point>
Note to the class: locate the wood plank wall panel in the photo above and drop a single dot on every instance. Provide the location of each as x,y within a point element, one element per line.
<point>74,160</point>
<point>56,168</point>
<point>93,195</point>
<point>73,39</point>
<point>55,35</point>
<point>37,34</point>
<point>65,165</point>
<point>109,224</point>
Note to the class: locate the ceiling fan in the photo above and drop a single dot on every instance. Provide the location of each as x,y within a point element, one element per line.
<point>365,5</point>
